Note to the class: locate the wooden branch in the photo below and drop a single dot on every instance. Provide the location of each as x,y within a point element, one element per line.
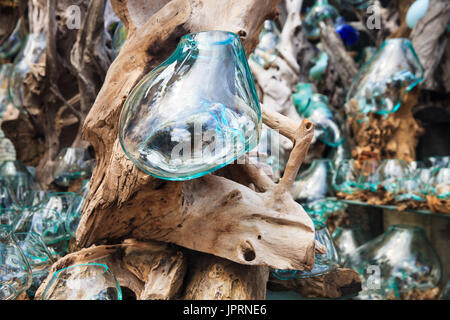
<point>211,214</point>
<point>339,283</point>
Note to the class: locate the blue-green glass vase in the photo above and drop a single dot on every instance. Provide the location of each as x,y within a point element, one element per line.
<point>383,81</point>
<point>321,10</point>
<point>196,112</point>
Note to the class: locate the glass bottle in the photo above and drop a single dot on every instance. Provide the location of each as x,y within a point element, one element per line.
<point>89,281</point>
<point>397,261</point>
<point>383,81</point>
<point>196,112</point>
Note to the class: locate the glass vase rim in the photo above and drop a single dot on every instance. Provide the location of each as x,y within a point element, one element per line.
<point>404,226</point>
<point>191,37</point>
<point>58,193</point>
<point>57,274</point>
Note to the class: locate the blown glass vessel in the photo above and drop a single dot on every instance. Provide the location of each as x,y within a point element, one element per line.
<point>320,11</point>
<point>15,272</point>
<point>383,81</point>
<point>31,54</point>
<point>196,112</point>
<point>345,177</point>
<point>323,263</point>
<point>89,281</point>
<point>314,183</point>
<point>38,256</point>
<point>71,163</point>
<point>397,261</point>
<point>347,239</point>
<point>266,52</point>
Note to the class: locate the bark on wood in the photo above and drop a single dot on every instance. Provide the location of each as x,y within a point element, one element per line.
<point>336,284</point>
<point>237,223</point>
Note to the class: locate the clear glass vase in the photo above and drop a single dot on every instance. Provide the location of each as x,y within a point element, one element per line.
<point>196,112</point>
<point>347,239</point>
<point>323,263</point>
<point>14,43</point>
<point>5,71</point>
<point>321,10</point>
<point>266,52</point>
<point>439,184</point>
<point>397,261</point>
<point>316,108</point>
<point>15,271</point>
<point>73,217</point>
<point>14,172</point>
<point>71,163</point>
<point>89,281</point>
<point>383,81</point>
<point>346,176</point>
<point>38,256</point>
<point>314,183</point>
<point>31,53</point>
<point>391,173</point>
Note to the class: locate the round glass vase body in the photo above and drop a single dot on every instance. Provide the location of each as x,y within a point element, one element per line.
<point>196,112</point>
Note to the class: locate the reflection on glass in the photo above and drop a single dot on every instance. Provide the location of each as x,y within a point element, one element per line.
<point>369,178</point>
<point>402,258</point>
<point>74,216</point>
<point>196,112</point>
<point>90,281</point>
<point>15,272</point>
<point>382,82</point>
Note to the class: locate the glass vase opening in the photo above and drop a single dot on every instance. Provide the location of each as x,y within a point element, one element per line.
<point>196,112</point>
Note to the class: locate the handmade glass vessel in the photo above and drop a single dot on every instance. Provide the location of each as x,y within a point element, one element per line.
<point>119,37</point>
<point>409,188</point>
<point>347,239</point>
<point>59,201</point>
<point>346,176</point>
<point>9,217</point>
<point>369,178</point>
<point>38,256</point>
<point>383,81</point>
<point>416,12</point>
<point>348,34</point>
<point>319,210</point>
<point>14,43</point>
<point>196,112</point>
<point>15,272</point>
<point>320,65</point>
<point>270,152</point>
<point>31,53</point>
<point>266,51</point>
<point>317,109</point>
<point>5,70</point>
<point>439,184</point>
<point>315,182</point>
<point>321,10</point>
<point>399,260</point>
<point>90,281</point>
<point>71,163</point>
<point>13,171</point>
<point>323,263</point>
<point>391,173</point>
<point>49,224</point>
